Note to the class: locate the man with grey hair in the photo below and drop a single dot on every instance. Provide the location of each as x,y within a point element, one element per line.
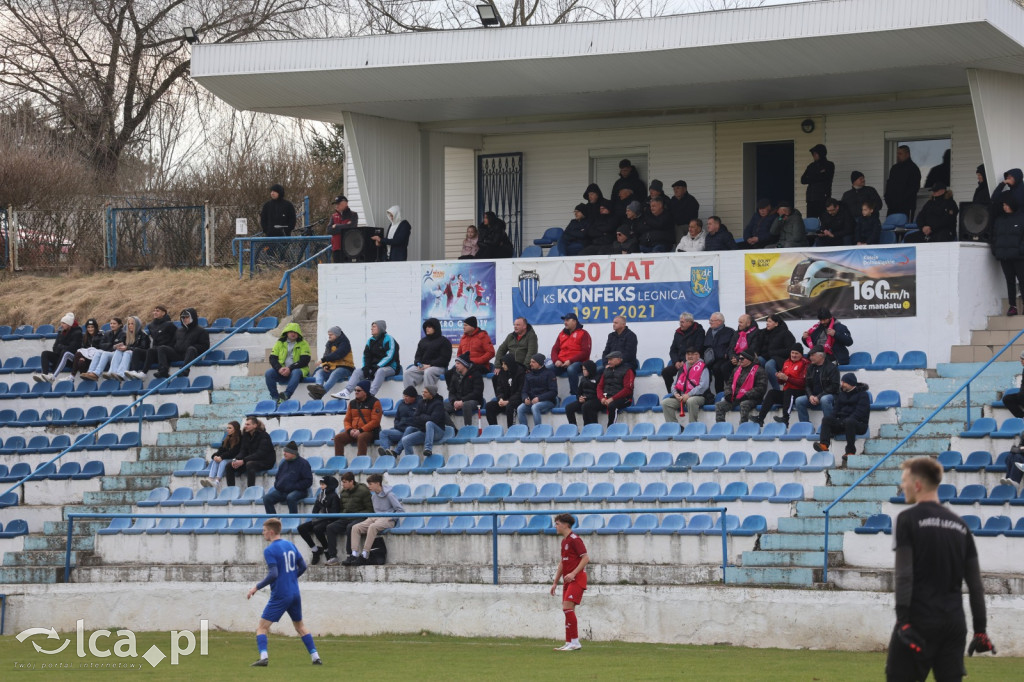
<point>717,340</point>
<point>690,334</point>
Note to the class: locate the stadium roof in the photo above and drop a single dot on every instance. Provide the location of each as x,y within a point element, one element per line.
<point>711,64</point>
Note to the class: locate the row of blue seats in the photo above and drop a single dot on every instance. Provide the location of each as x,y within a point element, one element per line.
<point>558,462</point>
<point>77,416</point>
<point>222,325</point>
<point>41,444</point>
<point>986,427</point>
<point>887,359</point>
<point>109,387</point>
<point>994,525</point>
<point>33,365</point>
<point>68,471</point>
<point>671,524</point>
<point>979,460</point>
<point>974,493</point>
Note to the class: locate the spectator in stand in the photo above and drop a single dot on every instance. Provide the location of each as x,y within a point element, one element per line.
<point>586,393</point>
<point>789,228</point>
<point>227,452</point>
<point>746,387</point>
<point>614,390</point>
<point>380,362</point>
<point>689,334</point>
<point>683,207</point>
<point>629,179</point>
<point>836,225</point>
<point>625,242</point>
<point>292,483</point>
<point>793,376</point>
<point>540,390</point>
<point>1008,248</point>
<point>903,183</point>
<point>718,339</point>
<point>718,237</point>
<point>622,339</point>
<point>1013,181</point>
<point>277,217</point>
<point>469,244</point>
<point>342,219</point>
<point>190,341</point>
<point>521,342</point>
<point>691,389</point>
<point>623,199</point>
<point>832,335</point>
<point>746,337</point>
<point>818,177</point>
<point>362,421</point>
<point>694,238</point>
<point>820,386</point>
<point>135,339</point>
<point>657,233</point>
<point>939,174</point>
<point>91,340</point>
<point>571,349</point>
<point>255,453</point>
<point>859,194</point>
<point>776,342</point>
<point>477,343</point>
<point>428,424</point>
<point>161,332</point>
<point>494,242</point>
<point>981,193</point>
<point>397,237</point>
<point>404,418</point>
<point>600,229</point>
<point>508,390</point>
<point>433,353</point>
<point>850,415</point>
<point>1014,467</point>
<point>108,342</point>
<point>656,190</point>
<point>758,231</point>
<point>465,390</point>
<point>326,502</point>
<point>593,197</point>
<point>335,365</point>
<point>574,236</point>
<point>67,343</point>
<point>289,362</point>
<point>384,502</point>
<point>354,498</point>
<point>867,229</point>
<point>937,219</point>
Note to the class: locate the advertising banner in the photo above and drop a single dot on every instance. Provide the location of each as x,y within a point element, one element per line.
<point>451,292</point>
<point>862,282</point>
<point>639,288</point>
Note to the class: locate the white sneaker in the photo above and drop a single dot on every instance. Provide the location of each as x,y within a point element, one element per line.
<point>48,378</point>
<point>136,375</point>
<point>116,377</point>
<point>569,646</point>
<point>343,394</point>
<point>206,483</point>
<point>1019,465</point>
<point>38,378</point>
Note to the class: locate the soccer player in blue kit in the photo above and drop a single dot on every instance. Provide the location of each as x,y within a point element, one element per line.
<point>284,566</point>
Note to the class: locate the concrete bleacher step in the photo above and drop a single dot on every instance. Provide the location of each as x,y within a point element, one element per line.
<point>932,428</point>
<point>38,558</point>
<point>846,508</point>
<point>59,542</point>
<point>864,492</point>
<point>82,527</point>
<point>133,482</point>
<point>799,542</point>
<point>97,497</point>
<point>224,411</point>
<point>772,575</point>
<point>172,452</point>
<point>184,438</point>
<point>967,369</point>
<point>934,400</point>
<point>986,382</point>
<point>843,478</point>
<point>913,447</point>
<point>97,509</point>
<point>808,559</point>
<point>949,415</point>
<point>150,467</point>
<point>29,575</point>
<point>816,524</point>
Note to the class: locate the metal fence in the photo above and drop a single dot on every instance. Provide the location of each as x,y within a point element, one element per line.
<point>50,239</point>
<point>155,236</point>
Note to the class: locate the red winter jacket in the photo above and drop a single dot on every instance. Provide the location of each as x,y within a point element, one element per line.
<point>478,345</point>
<point>574,347</point>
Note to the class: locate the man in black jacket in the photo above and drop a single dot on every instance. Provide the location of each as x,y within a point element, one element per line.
<point>821,386</point>
<point>903,183</point>
<point>433,353</point>
<point>716,350</point>
<point>852,410</point>
<point>508,390</point>
<point>758,231</point>
<point>161,332</point>
<point>291,485</point>
<point>189,342</point>
<point>718,237</point>
<point>622,339</point>
<point>689,334</point>
<point>465,390</point>
<point>277,218</point>
<point>326,502</point>
<point>404,418</point>
<point>836,225</point>
<point>255,454</point>
<point>937,218</point>
<point>656,233</point>
<point>859,194</point>
<point>683,208</point>
<point>630,179</point>
<point>818,178</point>
<point>428,424</point>
<point>68,341</point>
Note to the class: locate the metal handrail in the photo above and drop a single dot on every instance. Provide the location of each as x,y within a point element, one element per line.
<point>493,514</point>
<point>965,386</point>
<point>286,278</point>
<point>238,249</point>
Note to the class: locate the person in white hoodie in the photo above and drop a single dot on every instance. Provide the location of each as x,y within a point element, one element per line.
<point>384,502</point>
<point>693,240</point>
<point>396,239</point>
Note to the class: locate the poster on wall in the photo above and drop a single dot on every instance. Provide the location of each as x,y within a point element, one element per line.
<point>451,292</point>
<point>852,283</point>
<point>641,289</point>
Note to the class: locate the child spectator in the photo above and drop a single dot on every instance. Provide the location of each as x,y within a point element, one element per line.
<point>867,229</point>
<point>469,245</point>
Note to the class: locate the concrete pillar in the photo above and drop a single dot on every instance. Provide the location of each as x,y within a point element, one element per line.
<point>998,99</point>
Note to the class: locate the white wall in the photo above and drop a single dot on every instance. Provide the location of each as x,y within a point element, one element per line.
<point>459,197</point>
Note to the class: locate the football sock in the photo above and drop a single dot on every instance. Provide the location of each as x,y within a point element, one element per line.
<point>355,553</point>
<point>261,644</point>
<point>576,641</point>
<point>571,632</point>
<point>366,555</point>
<point>307,639</point>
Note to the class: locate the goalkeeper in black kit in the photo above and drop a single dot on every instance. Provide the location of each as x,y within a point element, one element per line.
<point>935,554</point>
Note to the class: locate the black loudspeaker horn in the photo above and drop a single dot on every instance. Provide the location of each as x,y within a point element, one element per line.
<point>357,247</point>
<point>974,222</point>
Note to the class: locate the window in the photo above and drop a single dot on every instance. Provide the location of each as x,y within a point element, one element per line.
<point>931,154</point>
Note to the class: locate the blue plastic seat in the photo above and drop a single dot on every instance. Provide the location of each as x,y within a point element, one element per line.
<point>616,431</point>
<point>548,239</point>
<point>1001,494</point>
<point>976,461</point>
<point>697,524</point>
<point>970,494</point>
<point>479,464</point>
<point>645,403</point>
<point>738,461</point>
<point>950,460</point>
<point>335,465</point>
<point>512,524</point>
<point>581,462</point>
<point>91,469</point>
<point>446,494</point>
<point>711,461</point>
<point>547,493</point>
<point>588,433</point>
<point>913,359</point>
<point>537,524</point>
<point>560,408</point>
<point>679,491</point>
<point>616,523</point>
<point>484,526</point>
<point>178,495</point>
<point>140,526</point>
<point>885,400</point>
<point>732,492</point>
<point>670,525</point>
<point>264,408</point>
<point>454,464</point>
<point>752,525</point>
<point>573,492</point>
<point>798,431</point>
<point>554,463</point>
<point>630,463</point>
<point>693,431</point>
<point>488,435</point>
<point>496,493</point>
<point>606,462</point>
<point>104,441</point>
<point>791,461</point>
<point>589,523</point>
<point>462,436</point>
<point>599,492</point>
<point>789,492</point>
<point>887,359</point>
<point>13,446</point>
<point>472,493</point>
<point>321,438</point>
<point>163,526</point>
<point>405,465</point>
<point>193,467</point>
<point>433,525</point>
<point>706,492</point>
<point>522,493</point>
<point>858,360</point>
<point>765,461</point>
<point>995,525</point>
<point>515,433</point>
<point>539,434</point>
<point>718,431</point>
<point>528,464</point>
<point>998,464</point>
<point>459,525</point>
<point>225,496</point>
<point>383,464</point>
<point>1011,428</point>
<point>401,490</point>
<point>626,492</point>
<point>819,461</point>
<point>115,526</point>
<point>563,434</point>
<point>1008,392</point>
<point>745,431</point>
<point>641,431</point>
<point>732,524</point>
<point>684,461</point>
<point>653,492</point>
<point>1018,529</point>
<point>202,496</point>
<point>666,432</point>
<point>252,495</point>
<point>650,367</point>
<point>420,494</point>
<point>430,464</point>
<point>359,464</point>
<point>66,471</point>
<point>532,251</point>
<point>155,497</point>
<point>239,525</point>
<point>658,461</point>
<point>875,524</point>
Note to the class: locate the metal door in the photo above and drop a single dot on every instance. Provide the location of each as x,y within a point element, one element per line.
<point>500,189</point>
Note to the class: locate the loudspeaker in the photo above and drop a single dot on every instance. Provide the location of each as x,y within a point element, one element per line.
<point>974,222</point>
<point>357,247</point>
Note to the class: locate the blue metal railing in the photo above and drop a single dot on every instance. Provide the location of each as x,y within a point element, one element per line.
<point>493,514</point>
<point>286,278</point>
<point>251,247</point>
<point>966,386</point>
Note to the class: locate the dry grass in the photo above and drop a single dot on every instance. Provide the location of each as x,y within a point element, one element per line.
<point>213,292</point>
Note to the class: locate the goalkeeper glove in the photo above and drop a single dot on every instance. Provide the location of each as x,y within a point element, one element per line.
<point>981,643</point>
<point>908,635</point>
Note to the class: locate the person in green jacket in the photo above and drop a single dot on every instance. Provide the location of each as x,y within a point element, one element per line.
<point>289,362</point>
<point>355,499</point>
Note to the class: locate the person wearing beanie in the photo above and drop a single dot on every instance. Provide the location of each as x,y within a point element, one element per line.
<point>850,416</point>
<point>683,207</point>
<point>362,420</point>
<point>592,196</point>
<point>625,242</point>
<point>405,414</point>
<point>614,389</point>
<point>601,226</point>
<point>758,231</point>
<point>477,343</point>
<point>1008,248</point>
<point>818,177</point>
<point>187,343</point>
<point>821,385</point>
<point>791,380</point>
<point>508,389</point>
<point>292,483</point>
<point>629,179</point>
<point>521,342</point>
<point>937,218</point>
<point>342,219</point>
<point>428,422</point>
<point>656,189</point>
<point>981,193</point>
<point>335,365</point>
<point>289,362</point>
<point>746,387</point>
<point>788,227</point>
<point>540,391</point>
<point>326,502</point>
<point>67,343</point>
<point>656,233</point>
<point>859,194</point>
<point>574,237</point>
<point>277,218</point>
<point>465,390</point>
<point>92,341</point>
<point>380,362</point>
<point>571,349</point>
<point>833,336</point>
<point>433,353</point>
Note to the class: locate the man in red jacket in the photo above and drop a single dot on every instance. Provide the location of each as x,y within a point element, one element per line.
<point>571,350</point>
<point>477,343</point>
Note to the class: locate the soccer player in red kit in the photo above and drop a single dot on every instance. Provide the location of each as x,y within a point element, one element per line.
<point>574,559</point>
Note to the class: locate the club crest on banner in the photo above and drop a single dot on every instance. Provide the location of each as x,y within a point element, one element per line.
<point>529,285</point>
<point>701,282</point>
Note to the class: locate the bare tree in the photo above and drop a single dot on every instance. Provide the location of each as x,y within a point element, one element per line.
<point>101,69</point>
